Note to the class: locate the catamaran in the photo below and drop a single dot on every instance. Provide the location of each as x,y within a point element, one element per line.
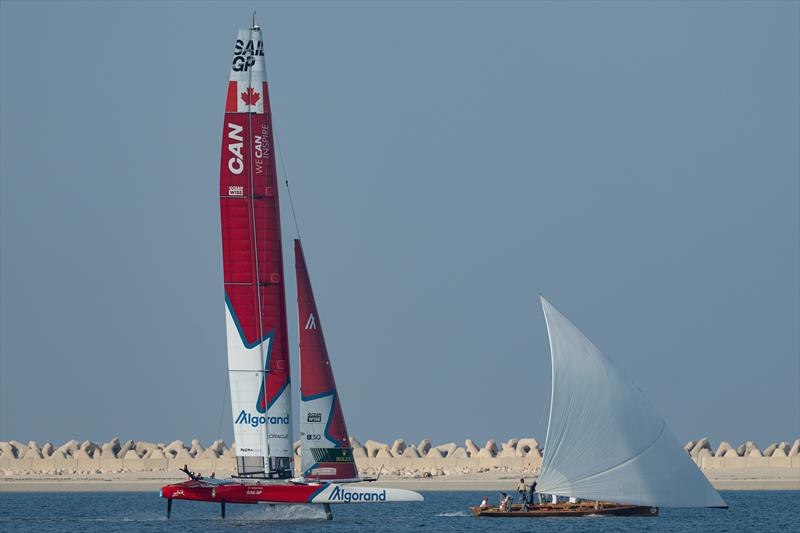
<point>255,310</point>
<point>606,448</point>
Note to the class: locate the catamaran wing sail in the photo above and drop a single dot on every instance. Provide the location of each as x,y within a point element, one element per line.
<point>325,448</point>
<point>604,440</point>
<point>258,355</point>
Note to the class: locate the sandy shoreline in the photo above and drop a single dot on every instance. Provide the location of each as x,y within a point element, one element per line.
<point>153,481</point>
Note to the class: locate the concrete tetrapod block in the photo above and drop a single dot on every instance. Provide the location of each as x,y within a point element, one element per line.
<point>174,447</point>
<point>144,449</point>
<point>82,455</point>
<point>384,453</point>
<point>132,461</point>
<point>373,447</point>
<point>58,453</point>
<point>209,453</point>
<point>779,459</point>
<point>704,459</point>
<point>182,454</point>
<point>508,449</point>
<point>19,447</point>
<point>196,448</point>
<point>794,451</point>
<point>411,453</point>
<point>745,449</point>
<point>91,448</point>
<point>109,449</point>
<point>33,451</point>
<point>398,447</point>
<point>131,454</point>
<point>157,453</point>
<point>126,446</point>
<point>702,444</point>
<point>458,453</point>
<point>48,449</point>
<point>471,447</point>
<point>769,449</point>
<point>484,453</point>
<point>723,447</point>
<point>358,449</point>
<point>689,445</point>
<point>69,448</point>
<point>448,448</point>
<point>489,450</point>
<point>7,451</point>
<point>423,446</point>
<point>434,453</point>
<point>218,446</point>
<point>526,446</point>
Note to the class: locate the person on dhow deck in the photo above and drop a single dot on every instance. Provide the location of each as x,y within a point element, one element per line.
<point>532,493</point>
<point>522,488</point>
<point>505,502</point>
<point>485,503</point>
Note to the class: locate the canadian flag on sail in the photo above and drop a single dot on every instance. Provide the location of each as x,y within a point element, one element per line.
<point>244,98</point>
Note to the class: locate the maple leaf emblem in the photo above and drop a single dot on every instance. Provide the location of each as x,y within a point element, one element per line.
<point>250,97</point>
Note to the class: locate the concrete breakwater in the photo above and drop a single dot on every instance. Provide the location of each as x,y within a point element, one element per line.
<point>422,459</point>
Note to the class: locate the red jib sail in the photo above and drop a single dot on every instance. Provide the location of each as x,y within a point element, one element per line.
<point>258,355</point>
<point>325,447</point>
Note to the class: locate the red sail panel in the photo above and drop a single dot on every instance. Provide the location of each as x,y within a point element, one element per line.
<point>326,451</point>
<point>251,236</point>
<point>253,260</point>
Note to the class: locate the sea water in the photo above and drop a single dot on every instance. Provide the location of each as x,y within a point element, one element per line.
<point>442,511</point>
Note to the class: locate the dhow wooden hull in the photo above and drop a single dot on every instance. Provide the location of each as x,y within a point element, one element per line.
<point>567,510</point>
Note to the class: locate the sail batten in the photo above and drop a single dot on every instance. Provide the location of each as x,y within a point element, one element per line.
<point>604,440</point>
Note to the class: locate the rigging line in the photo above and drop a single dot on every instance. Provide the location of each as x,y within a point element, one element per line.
<point>250,111</point>
<point>283,160</point>
<point>286,181</point>
<point>222,408</point>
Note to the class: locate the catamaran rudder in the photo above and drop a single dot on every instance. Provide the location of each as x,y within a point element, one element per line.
<point>326,453</point>
<point>258,354</point>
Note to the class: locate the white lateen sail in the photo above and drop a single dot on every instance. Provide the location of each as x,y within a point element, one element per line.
<point>604,440</point>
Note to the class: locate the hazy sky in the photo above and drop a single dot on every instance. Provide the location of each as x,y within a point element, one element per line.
<point>636,163</point>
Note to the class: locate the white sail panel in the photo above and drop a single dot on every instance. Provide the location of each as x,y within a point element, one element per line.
<point>604,440</point>
<point>247,375</point>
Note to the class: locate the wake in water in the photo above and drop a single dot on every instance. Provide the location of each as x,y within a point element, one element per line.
<point>459,513</point>
<point>284,512</point>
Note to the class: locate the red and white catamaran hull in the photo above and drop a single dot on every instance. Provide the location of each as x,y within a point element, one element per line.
<point>322,493</point>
